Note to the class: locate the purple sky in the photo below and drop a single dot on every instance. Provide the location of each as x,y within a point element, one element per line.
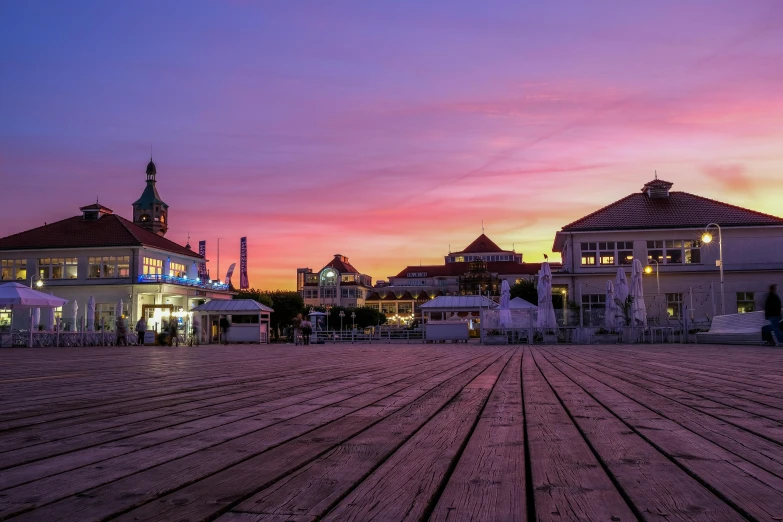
<point>385,131</point>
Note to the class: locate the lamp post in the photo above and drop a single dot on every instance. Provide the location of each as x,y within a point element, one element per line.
<point>37,281</point>
<point>707,238</point>
<point>648,270</point>
<point>353,320</point>
<point>342,314</point>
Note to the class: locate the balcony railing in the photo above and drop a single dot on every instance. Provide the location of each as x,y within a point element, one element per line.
<point>181,281</point>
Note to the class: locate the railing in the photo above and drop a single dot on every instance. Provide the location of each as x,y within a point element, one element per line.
<point>182,281</point>
<point>385,335</point>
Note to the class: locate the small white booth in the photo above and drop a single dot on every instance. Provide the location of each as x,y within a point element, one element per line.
<point>248,321</point>
<point>454,317</point>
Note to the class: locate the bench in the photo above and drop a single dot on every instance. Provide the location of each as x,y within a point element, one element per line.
<point>734,329</point>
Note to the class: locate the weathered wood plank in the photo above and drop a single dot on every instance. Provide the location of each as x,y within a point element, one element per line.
<point>568,481</point>
<point>489,480</point>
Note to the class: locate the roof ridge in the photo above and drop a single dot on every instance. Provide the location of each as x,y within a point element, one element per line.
<point>123,221</point>
<point>591,214</point>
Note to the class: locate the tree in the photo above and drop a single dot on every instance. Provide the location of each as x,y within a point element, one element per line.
<point>527,290</point>
<point>286,304</point>
<point>365,316</point>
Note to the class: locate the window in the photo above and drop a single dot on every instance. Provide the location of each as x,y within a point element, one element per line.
<point>348,278</point>
<point>374,306</point>
<point>329,292</point>
<point>745,302</point>
<point>674,252</point>
<point>177,270</point>
<point>589,254</point>
<point>57,268</point>
<point>593,309</point>
<point>389,308</point>
<point>108,267</point>
<point>625,252</point>
<point>311,278</point>
<point>405,308</point>
<point>13,269</point>
<point>310,293</point>
<point>674,305</point>
<point>152,266</point>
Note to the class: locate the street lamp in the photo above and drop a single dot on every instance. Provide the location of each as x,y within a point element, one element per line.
<point>218,259</point>
<point>342,314</point>
<point>565,306</point>
<point>648,270</point>
<point>707,238</point>
<point>37,281</point>
<point>353,320</point>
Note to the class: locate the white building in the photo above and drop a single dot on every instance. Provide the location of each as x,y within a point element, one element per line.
<point>103,255</point>
<point>663,228</point>
<point>338,283</point>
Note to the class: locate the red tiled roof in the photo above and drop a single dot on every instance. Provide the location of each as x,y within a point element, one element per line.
<point>110,230</point>
<point>458,269</point>
<point>481,244</point>
<point>341,266</point>
<point>679,210</point>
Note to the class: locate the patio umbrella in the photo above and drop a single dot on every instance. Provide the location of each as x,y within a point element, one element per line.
<point>505,300</point>
<point>167,267</point>
<point>546,312</point>
<point>17,296</point>
<point>74,313</point>
<point>91,314</point>
<point>36,318</point>
<point>610,319</point>
<point>49,323</point>
<point>639,311</point>
<point>620,294</point>
<point>193,272</point>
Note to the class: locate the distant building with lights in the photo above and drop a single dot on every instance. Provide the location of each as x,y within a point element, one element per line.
<point>663,229</point>
<point>338,283</point>
<point>100,254</point>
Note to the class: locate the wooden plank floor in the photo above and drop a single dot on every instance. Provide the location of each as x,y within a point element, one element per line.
<point>392,432</point>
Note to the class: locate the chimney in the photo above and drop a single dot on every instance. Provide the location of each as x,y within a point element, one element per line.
<point>657,189</point>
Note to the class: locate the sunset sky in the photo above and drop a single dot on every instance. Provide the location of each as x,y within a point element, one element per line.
<point>383,130</point>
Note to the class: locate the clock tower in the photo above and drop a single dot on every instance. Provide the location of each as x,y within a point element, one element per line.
<point>149,211</point>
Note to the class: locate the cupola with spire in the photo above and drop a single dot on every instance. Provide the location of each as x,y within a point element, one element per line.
<point>149,211</point>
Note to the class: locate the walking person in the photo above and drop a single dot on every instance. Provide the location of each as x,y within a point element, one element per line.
<point>196,331</point>
<point>224,326</point>
<point>141,331</point>
<point>121,332</point>
<point>297,324</point>
<point>772,314</point>
<point>307,330</point>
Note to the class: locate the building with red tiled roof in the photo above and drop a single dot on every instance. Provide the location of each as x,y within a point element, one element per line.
<point>478,268</point>
<point>663,229</point>
<point>102,255</point>
<point>338,283</point>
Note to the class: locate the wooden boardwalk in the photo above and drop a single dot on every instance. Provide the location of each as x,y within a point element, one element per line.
<point>392,432</point>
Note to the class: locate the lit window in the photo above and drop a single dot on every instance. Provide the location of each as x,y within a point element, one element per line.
<point>152,266</point>
<point>177,270</point>
<point>57,268</point>
<point>13,269</point>
<point>108,267</point>
<point>674,305</point>
<point>745,302</point>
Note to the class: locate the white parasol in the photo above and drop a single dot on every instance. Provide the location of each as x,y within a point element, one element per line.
<point>505,300</point>
<point>167,267</point>
<point>620,294</point>
<point>49,324</point>
<point>193,272</point>
<point>91,314</point>
<point>546,311</point>
<point>36,317</point>
<point>610,319</point>
<point>17,296</point>
<point>638,310</point>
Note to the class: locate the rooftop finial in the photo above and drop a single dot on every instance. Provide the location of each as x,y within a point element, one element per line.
<point>656,174</point>
<point>482,226</point>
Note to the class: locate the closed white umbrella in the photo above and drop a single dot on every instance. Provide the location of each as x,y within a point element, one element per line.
<point>610,319</point>
<point>119,309</point>
<point>73,313</point>
<point>91,314</point>
<point>193,272</point>
<point>546,311</point>
<point>505,299</point>
<point>49,323</point>
<point>167,267</point>
<point>639,311</point>
<point>620,294</point>
<point>36,318</point>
